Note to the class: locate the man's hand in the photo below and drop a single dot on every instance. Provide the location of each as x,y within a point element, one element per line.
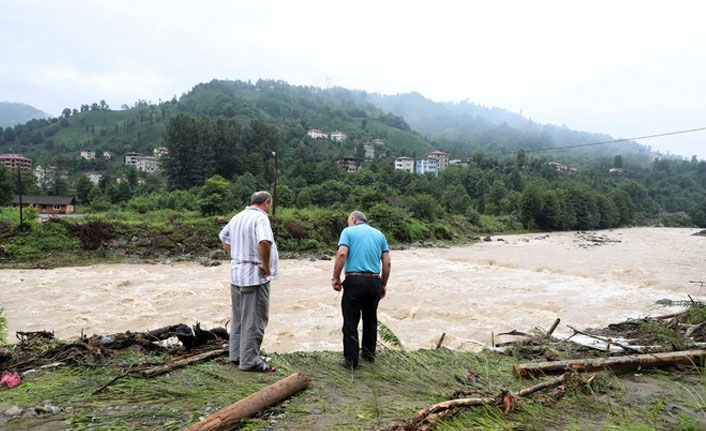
<point>383,292</point>
<point>336,284</point>
<point>264,269</point>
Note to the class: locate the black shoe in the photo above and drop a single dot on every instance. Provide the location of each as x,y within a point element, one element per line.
<point>367,357</point>
<point>345,363</point>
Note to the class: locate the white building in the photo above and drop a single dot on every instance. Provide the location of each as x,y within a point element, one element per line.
<point>404,164</point>
<point>338,136</point>
<point>160,151</point>
<point>369,151</point>
<point>46,175</point>
<point>132,158</point>
<point>94,177</point>
<point>428,165</point>
<point>88,154</point>
<point>108,155</point>
<point>147,164</point>
<point>317,134</point>
<point>378,141</point>
<point>562,168</point>
<point>442,157</point>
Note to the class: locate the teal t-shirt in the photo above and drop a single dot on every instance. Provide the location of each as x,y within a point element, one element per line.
<point>365,248</point>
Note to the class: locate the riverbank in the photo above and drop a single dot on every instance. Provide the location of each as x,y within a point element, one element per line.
<point>392,388</point>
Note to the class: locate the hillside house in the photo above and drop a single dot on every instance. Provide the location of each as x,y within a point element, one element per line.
<point>350,164</point>
<point>132,158</point>
<point>338,136</point>
<point>88,154</point>
<point>369,151</point>
<point>147,164</point>
<point>108,155</point>
<point>561,168</point>
<point>378,141</point>
<point>428,165</point>
<point>47,175</point>
<point>463,162</point>
<point>46,204</point>
<point>12,161</point>
<point>441,157</point>
<point>317,134</point>
<point>94,177</point>
<point>404,164</point>
<point>160,152</point>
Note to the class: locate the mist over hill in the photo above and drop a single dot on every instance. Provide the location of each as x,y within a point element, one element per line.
<point>12,114</point>
<point>466,127</point>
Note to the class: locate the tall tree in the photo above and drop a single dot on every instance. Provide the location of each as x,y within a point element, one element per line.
<point>7,186</point>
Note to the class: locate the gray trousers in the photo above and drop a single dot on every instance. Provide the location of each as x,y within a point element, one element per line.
<point>250,314</point>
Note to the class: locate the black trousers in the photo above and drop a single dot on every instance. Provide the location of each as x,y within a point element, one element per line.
<point>361,296</point>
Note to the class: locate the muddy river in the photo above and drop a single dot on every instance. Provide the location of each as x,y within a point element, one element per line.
<point>513,282</point>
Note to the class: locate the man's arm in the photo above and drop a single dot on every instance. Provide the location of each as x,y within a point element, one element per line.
<point>263,248</point>
<point>386,266</point>
<point>224,236</point>
<point>338,263</point>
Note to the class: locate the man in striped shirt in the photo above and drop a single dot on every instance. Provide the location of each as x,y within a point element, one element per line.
<point>249,240</point>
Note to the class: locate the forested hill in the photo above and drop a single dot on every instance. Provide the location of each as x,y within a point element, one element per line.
<point>290,110</point>
<point>18,113</point>
<point>409,124</point>
<point>466,127</point>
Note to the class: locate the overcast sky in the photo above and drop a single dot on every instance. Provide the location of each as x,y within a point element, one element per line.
<point>625,68</point>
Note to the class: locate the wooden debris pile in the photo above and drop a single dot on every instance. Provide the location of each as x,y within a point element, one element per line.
<point>40,348</point>
<point>630,345</point>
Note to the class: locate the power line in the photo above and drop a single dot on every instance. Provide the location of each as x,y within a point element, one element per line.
<point>541,150</point>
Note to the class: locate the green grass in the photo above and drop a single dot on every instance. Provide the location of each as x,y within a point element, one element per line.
<point>395,387</point>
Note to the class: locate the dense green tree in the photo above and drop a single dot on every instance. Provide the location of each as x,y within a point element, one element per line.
<point>83,189</point>
<point>456,200</point>
<point>243,187</point>
<point>215,196</point>
<point>7,186</point>
<point>531,206</point>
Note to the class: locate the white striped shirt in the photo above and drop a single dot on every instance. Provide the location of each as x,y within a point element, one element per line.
<point>243,233</point>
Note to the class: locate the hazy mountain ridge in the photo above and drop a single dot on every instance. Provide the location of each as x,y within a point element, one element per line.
<point>466,127</point>
<point>12,113</point>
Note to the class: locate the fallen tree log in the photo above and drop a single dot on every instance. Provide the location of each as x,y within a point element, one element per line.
<point>179,363</point>
<point>426,418</point>
<point>629,362</point>
<point>252,404</point>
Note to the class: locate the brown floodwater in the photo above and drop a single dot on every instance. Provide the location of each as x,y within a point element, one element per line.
<point>522,282</point>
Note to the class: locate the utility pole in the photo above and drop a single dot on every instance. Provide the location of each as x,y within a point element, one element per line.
<point>19,189</point>
<point>274,192</point>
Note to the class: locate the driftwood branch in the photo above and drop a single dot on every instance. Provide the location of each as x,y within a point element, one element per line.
<point>252,404</point>
<point>629,362</point>
<point>553,327</point>
<point>179,363</point>
<point>428,416</point>
<point>515,332</point>
<point>441,341</point>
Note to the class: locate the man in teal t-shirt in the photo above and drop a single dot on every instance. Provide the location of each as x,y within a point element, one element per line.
<point>361,249</point>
